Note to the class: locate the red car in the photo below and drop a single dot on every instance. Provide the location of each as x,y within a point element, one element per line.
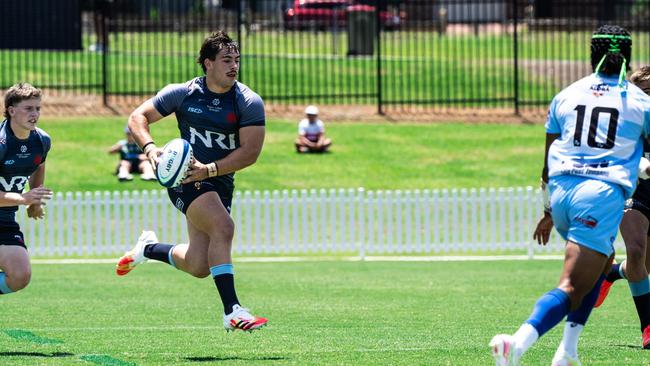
<point>328,14</point>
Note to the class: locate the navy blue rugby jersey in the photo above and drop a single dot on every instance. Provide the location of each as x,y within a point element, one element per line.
<point>18,160</point>
<point>209,121</point>
<point>642,192</point>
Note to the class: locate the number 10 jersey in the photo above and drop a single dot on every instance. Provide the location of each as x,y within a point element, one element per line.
<point>601,126</point>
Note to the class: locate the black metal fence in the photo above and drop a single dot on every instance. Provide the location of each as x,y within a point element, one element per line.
<point>413,55</point>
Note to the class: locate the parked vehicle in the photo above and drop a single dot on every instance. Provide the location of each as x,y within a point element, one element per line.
<point>328,14</point>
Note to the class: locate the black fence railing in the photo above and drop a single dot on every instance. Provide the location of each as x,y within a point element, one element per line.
<point>412,55</point>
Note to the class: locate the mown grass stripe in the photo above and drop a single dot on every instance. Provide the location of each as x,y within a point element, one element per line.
<point>25,335</point>
<point>105,360</point>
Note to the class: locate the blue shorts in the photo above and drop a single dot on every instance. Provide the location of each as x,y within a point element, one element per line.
<point>183,195</point>
<point>587,211</point>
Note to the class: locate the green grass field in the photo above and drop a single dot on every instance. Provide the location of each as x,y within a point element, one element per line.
<point>369,155</point>
<point>321,313</point>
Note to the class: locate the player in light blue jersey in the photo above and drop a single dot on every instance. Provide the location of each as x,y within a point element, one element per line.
<point>224,122</point>
<point>594,136</point>
<point>23,149</point>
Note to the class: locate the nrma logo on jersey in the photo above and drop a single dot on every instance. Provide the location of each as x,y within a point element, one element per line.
<point>226,142</point>
<point>17,181</point>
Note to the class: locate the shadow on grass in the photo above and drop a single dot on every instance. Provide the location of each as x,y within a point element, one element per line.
<point>632,346</point>
<point>234,358</point>
<point>36,354</point>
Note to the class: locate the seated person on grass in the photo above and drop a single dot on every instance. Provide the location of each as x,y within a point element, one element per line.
<point>311,133</point>
<point>132,160</point>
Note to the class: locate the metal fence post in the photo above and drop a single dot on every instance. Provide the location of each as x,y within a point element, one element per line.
<point>104,59</point>
<point>378,40</point>
<point>515,58</point>
<point>241,11</point>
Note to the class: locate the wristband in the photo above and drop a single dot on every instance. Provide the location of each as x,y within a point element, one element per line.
<point>144,147</point>
<point>213,170</point>
<point>643,168</point>
<point>148,147</point>
<point>546,197</point>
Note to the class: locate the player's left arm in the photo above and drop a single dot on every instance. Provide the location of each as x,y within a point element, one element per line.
<point>35,210</point>
<point>544,226</point>
<point>251,139</point>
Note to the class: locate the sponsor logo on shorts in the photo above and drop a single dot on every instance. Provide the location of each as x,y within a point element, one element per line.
<point>180,204</point>
<point>588,221</point>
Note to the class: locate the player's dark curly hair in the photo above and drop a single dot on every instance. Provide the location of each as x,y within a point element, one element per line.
<point>18,93</point>
<point>615,44</point>
<point>213,44</point>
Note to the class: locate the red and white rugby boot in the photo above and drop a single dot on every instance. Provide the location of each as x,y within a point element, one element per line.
<point>135,256</point>
<point>241,319</point>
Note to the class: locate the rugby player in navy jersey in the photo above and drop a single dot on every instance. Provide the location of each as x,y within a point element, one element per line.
<point>23,148</point>
<point>594,145</point>
<point>635,229</point>
<point>224,122</point>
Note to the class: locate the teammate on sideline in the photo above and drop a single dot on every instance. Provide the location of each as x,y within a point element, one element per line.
<point>224,122</point>
<point>591,165</point>
<point>23,148</point>
<point>635,229</point>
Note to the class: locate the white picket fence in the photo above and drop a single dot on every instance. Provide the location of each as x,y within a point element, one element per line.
<point>334,221</point>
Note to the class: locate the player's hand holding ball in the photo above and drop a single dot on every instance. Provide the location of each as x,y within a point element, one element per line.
<point>197,171</point>
<point>173,163</point>
<point>152,152</point>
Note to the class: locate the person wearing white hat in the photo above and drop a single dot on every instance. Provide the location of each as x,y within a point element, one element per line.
<point>311,133</point>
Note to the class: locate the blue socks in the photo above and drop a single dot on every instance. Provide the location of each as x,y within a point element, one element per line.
<point>4,289</point>
<point>224,279</point>
<point>549,310</point>
<point>581,314</point>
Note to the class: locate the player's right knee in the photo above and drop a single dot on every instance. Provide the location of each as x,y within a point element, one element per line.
<point>199,272</point>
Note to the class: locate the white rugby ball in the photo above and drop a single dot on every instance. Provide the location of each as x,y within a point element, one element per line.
<point>173,163</point>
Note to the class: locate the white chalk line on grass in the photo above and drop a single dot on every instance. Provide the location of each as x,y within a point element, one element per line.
<point>459,258</point>
<point>133,328</point>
